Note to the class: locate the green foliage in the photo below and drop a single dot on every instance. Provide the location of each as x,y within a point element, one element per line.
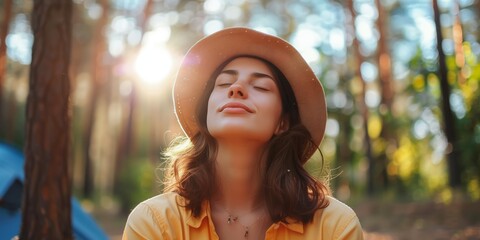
<point>425,90</point>
<point>137,181</point>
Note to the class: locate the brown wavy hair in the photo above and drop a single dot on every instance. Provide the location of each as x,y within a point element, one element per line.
<point>290,191</point>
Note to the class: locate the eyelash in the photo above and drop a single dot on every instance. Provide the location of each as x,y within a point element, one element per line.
<point>229,84</point>
<point>261,88</point>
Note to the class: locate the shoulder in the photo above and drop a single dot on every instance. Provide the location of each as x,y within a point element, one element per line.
<point>153,217</point>
<point>163,201</point>
<point>337,209</point>
<point>337,221</point>
<point>159,207</point>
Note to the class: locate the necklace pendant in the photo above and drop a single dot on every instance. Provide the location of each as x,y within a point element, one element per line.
<point>231,219</point>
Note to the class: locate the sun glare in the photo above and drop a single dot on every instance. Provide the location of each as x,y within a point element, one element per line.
<point>153,64</point>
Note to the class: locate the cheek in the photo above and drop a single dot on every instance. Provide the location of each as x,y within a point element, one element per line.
<point>211,109</point>
<point>276,107</point>
<point>271,112</point>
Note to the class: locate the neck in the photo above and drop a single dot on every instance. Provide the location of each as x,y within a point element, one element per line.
<point>238,176</point>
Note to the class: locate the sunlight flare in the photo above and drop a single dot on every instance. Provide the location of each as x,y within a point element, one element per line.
<point>153,64</point>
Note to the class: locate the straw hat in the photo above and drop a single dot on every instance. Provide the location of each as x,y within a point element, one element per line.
<point>207,54</point>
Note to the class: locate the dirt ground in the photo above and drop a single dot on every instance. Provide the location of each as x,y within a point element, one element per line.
<point>413,220</point>
<point>387,220</point>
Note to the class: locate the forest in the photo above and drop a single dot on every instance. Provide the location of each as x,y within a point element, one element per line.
<point>402,143</point>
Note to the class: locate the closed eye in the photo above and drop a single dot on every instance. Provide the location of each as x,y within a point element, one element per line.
<point>261,88</point>
<point>224,84</point>
<point>225,79</point>
<point>263,83</point>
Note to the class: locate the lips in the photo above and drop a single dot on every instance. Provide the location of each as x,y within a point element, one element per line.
<point>235,106</point>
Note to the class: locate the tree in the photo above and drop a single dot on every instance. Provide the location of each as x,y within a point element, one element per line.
<point>126,144</point>
<point>384,59</point>
<point>98,80</point>
<point>448,118</point>
<point>363,108</point>
<point>46,199</point>
<point>385,77</point>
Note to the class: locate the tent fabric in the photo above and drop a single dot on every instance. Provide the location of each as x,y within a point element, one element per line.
<point>11,167</point>
<point>11,182</point>
<point>9,223</point>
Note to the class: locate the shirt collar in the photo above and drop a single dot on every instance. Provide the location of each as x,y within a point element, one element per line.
<point>195,222</point>
<point>292,224</point>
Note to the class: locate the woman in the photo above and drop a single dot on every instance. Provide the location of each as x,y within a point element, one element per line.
<point>254,113</point>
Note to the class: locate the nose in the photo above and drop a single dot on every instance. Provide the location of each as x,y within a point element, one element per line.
<point>237,91</point>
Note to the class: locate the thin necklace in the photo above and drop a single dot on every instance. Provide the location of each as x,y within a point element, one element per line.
<point>234,218</point>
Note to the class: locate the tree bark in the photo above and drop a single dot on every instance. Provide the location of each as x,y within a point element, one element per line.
<point>448,118</point>
<point>46,199</point>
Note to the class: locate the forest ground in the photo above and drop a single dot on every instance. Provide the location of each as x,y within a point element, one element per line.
<point>419,220</point>
<point>384,220</point>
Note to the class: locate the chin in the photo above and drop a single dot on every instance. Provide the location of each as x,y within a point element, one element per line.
<point>233,132</point>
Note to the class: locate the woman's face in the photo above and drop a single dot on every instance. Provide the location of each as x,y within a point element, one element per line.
<point>245,102</point>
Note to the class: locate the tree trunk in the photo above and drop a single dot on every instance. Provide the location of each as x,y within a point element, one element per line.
<point>46,199</point>
<point>478,7</point>
<point>7,13</point>
<point>384,59</point>
<point>385,77</point>
<point>448,119</point>
<point>127,137</point>
<point>362,105</point>
<point>344,152</point>
<point>98,80</point>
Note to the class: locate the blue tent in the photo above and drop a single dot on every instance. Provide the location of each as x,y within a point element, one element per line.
<point>11,184</point>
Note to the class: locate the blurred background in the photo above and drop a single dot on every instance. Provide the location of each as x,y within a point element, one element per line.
<point>401,79</point>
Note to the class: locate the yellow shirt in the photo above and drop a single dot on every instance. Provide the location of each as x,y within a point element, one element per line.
<point>161,217</point>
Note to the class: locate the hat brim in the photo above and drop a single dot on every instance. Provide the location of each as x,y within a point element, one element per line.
<point>207,54</point>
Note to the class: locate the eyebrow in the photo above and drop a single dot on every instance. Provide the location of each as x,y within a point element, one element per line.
<point>255,74</point>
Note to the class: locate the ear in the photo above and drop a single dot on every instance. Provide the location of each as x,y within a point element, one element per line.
<point>282,126</point>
